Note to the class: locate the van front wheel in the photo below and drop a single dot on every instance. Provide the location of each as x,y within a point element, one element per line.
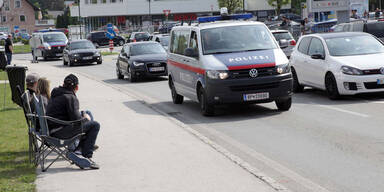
<point>206,108</point>
<point>176,98</point>
<point>284,104</point>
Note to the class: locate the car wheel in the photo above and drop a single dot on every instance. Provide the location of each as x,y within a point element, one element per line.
<point>99,62</point>
<point>70,63</point>
<point>297,88</point>
<point>206,108</point>
<point>121,42</point>
<point>176,98</point>
<point>284,104</point>
<point>131,76</point>
<point>118,74</point>
<point>331,87</point>
<point>64,62</point>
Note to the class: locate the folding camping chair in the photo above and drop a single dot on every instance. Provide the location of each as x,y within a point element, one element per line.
<point>51,144</point>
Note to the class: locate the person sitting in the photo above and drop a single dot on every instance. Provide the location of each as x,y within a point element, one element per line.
<point>64,105</point>
<point>31,81</point>
<point>43,89</point>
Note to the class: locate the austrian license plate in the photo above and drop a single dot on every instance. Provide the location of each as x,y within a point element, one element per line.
<point>59,54</point>
<point>156,69</point>
<point>256,96</point>
<point>87,58</point>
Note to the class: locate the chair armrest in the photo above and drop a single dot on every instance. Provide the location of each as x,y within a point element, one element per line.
<point>72,123</point>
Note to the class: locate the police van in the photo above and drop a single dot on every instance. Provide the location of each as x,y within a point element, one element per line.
<point>228,59</point>
<point>48,44</point>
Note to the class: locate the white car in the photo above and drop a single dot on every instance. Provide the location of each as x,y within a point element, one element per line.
<point>340,63</point>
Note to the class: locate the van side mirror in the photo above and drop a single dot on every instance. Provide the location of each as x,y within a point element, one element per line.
<point>190,52</point>
<point>318,56</point>
<point>283,43</point>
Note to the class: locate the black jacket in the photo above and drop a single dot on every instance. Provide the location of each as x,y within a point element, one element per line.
<point>63,105</point>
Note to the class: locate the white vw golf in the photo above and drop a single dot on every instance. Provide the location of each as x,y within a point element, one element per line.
<point>340,63</point>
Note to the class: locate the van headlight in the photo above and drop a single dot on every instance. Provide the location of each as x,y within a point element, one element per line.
<point>136,64</point>
<point>351,70</point>
<point>213,74</point>
<point>281,69</point>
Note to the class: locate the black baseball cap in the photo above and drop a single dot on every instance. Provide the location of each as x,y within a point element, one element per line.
<point>71,80</point>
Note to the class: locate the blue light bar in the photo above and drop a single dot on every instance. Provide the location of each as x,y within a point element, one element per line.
<point>220,18</point>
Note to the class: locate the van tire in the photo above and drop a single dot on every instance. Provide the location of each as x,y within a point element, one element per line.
<point>206,108</point>
<point>176,98</point>
<point>297,88</point>
<point>284,104</point>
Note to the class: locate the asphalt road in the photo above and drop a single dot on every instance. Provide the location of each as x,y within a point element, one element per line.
<point>319,145</point>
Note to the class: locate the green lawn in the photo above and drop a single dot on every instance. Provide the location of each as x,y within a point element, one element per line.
<point>3,76</point>
<point>105,53</point>
<point>22,49</point>
<point>16,173</point>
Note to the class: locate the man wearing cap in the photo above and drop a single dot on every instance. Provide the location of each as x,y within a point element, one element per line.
<point>31,81</point>
<point>9,49</point>
<point>64,105</point>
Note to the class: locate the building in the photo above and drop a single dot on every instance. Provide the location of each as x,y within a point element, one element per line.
<point>18,16</point>
<point>262,9</point>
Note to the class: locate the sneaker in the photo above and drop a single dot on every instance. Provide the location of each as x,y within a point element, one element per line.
<point>78,152</point>
<point>93,165</point>
<point>95,147</point>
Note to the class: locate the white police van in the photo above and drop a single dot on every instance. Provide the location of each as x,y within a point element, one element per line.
<point>48,44</point>
<point>223,60</point>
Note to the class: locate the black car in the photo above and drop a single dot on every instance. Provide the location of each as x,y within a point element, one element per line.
<point>81,51</point>
<point>141,59</point>
<point>99,38</point>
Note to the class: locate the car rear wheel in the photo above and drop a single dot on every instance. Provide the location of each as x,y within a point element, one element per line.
<point>70,63</point>
<point>131,75</point>
<point>206,108</point>
<point>64,62</point>
<point>121,42</point>
<point>284,104</point>
<point>297,88</point>
<point>331,87</point>
<point>176,98</point>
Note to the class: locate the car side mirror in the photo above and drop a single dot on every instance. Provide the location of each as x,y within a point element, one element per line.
<point>283,43</point>
<point>318,56</point>
<point>125,54</point>
<point>190,52</point>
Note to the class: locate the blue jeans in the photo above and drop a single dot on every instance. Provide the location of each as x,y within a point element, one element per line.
<point>9,58</point>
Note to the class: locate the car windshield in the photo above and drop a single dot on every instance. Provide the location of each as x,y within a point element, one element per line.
<point>164,41</point>
<point>354,45</point>
<point>147,48</point>
<point>82,45</point>
<point>54,37</point>
<point>236,39</point>
<point>141,36</point>
<point>282,35</point>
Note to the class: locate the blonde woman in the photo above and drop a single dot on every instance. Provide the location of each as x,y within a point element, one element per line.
<point>43,89</point>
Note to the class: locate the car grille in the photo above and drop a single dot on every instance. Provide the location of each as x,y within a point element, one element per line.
<point>58,49</point>
<point>373,85</point>
<point>156,64</point>
<point>239,88</point>
<point>86,54</point>
<point>244,73</point>
<point>371,72</point>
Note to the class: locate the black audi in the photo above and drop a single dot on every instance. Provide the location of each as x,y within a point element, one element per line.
<point>141,59</point>
<point>81,51</point>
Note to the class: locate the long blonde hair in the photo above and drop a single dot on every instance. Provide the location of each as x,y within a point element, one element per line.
<point>43,87</point>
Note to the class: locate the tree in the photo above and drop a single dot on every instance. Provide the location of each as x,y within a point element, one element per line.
<point>231,5</point>
<point>278,4</point>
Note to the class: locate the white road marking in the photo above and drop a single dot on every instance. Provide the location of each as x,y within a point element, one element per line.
<point>342,110</point>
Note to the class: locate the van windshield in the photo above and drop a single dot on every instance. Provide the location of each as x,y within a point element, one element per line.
<point>54,37</point>
<point>236,39</point>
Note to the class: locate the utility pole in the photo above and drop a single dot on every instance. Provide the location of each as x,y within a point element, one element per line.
<point>149,10</point>
<point>243,6</point>
<point>78,2</point>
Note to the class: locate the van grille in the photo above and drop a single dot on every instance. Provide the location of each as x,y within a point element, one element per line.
<point>244,73</point>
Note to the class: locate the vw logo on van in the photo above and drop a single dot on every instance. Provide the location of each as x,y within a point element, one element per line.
<point>382,70</point>
<point>253,72</point>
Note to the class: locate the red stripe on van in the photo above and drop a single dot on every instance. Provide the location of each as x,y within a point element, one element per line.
<point>252,66</point>
<point>186,67</point>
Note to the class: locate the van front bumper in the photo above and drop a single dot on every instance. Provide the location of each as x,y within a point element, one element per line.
<point>234,90</point>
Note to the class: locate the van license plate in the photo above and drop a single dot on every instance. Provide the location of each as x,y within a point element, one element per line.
<point>155,69</point>
<point>256,96</point>
<point>380,81</point>
<point>87,58</point>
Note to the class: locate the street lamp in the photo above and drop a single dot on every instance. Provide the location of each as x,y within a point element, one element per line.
<point>78,2</point>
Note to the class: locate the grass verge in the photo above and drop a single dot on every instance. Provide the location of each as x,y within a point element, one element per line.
<point>106,53</point>
<point>16,173</point>
<point>3,76</point>
<point>21,49</point>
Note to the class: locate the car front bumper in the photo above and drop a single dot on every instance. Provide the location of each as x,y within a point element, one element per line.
<point>356,84</point>
<point>145,70</point>
<point>83,60</point>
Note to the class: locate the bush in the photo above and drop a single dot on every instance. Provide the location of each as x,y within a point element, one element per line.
<point>25,41</point>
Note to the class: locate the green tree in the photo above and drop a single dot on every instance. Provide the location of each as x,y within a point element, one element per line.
<point>278,4</point>
<point>231,5</point>
<point>296,6</point>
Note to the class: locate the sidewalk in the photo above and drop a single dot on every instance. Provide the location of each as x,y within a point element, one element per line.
<point>140,150</point>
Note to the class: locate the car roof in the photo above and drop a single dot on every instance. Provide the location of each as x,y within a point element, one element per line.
<point>215,24</point>
<point>79,40</point>
<point>337,34</point>
<point>143,42</point>
<point>279,31</point>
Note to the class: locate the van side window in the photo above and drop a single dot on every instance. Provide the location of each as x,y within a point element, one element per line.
<point>193,42</point>
<point>174,41</point>
<point>303,46</point>
<point>183,42</point>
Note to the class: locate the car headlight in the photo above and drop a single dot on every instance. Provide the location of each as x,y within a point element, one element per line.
<point>75,55</point>
<point>48,47</point>
<point>97,54</point>
<point>351,70</point>
<point>281,69</point>
<point>136,64</point>
<point>213,74</point>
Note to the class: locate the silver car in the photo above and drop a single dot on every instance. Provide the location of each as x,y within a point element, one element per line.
<point>281,35</point>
